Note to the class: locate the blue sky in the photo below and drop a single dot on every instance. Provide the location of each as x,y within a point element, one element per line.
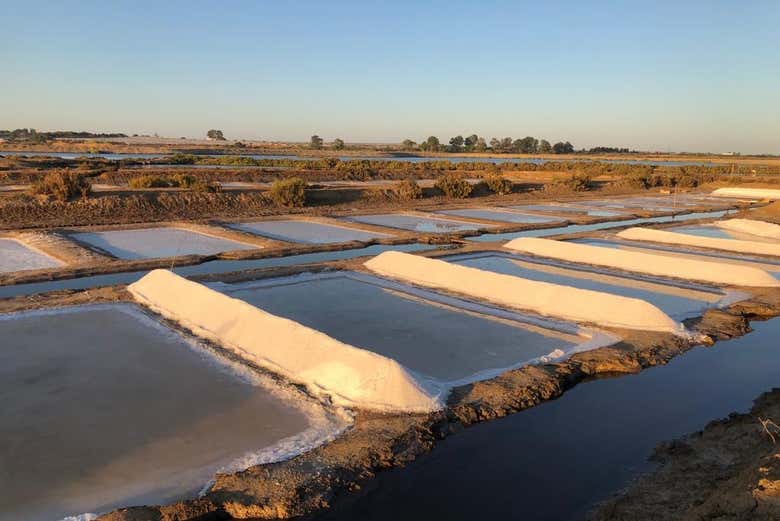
<point>695,75</point>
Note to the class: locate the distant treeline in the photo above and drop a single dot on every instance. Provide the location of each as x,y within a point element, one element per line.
<point>32,135</point>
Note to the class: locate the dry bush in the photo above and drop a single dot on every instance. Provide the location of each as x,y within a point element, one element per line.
<point>577,182</point>
<point>289,192</point>
<point>498,184</point>
<point>148,181</point>
<point>62,186</point>
<point>454,185</point>
<point>408,189</point>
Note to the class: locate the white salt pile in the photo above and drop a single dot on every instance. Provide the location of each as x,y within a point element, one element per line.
<point>748,193</point>
<point>648,263</point>
<point>751,226</point>
<point>544,298</point>
<point>349,375</point>
<point>715,243</point>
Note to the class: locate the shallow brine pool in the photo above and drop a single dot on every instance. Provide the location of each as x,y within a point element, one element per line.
<point>104,407</point>
<point>431,337</point>
<point>566,209</point>
<point>150,243</point>
<point>498,214</point>
<point>307,231</point>
<point>418,224</point>
<point>677,301</point>
<point>15,256</point>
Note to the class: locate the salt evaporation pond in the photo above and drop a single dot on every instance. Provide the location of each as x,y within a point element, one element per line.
<point>307,232</point>
<point>210,267</point>
<point>497,214</point>
<point>150,243</point>
<point>566,209</point>
<point>578,228</point>
<point>556,460</point>
<point>92,416</point>
<point>15,256</point>
<point>433,339</point>
<point>712,231</point>
<point>418,224</point>
<point>676,301</point>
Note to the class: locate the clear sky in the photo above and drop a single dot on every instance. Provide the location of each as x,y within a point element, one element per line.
<point>654,75</point>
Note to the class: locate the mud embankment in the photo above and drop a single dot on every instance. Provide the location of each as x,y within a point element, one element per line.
<point>729,470</point>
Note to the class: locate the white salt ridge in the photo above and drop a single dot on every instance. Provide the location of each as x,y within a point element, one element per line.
<point>544,298</point>
<point>648,263</point>
<point>748,193</point>
<point>715,243</point>
<point>349,375</point>
<point>751,226</point>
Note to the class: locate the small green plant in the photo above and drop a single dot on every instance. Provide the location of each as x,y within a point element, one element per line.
<point>454,185</point>
<point>289,192</point>
<point>63,186</point>
<point>408,189</point>
<point>498,184</point>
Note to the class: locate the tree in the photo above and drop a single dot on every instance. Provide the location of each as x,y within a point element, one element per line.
<point>470,142</point>
<point>431,144</point>
<point>338,144</point>
<point>495,144</point>
<point>215,134</point>
<point>408,144</point>
<point>480,146</point>
<point>315,142</point>
<point>545,147</point>
<point>456,143</point>
<point>563,148</point>
<point>527,145</point>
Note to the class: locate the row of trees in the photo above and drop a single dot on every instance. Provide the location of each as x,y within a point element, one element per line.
<point>475,143</point>
<point>33,136</point>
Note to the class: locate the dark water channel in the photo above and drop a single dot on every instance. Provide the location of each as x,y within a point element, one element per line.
<point>556,460</point>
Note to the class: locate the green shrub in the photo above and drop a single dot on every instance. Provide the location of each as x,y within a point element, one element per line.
<point>63,186</point>
<point>408,189</point>
<point>454,185</point>
<point>289,192</point>
<point>499,184</point>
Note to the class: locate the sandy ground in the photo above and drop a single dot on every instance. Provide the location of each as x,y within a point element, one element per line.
<point>103,408</point>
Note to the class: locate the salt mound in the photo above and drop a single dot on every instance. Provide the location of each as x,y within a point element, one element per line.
<point>752,227</point>
<point>349,375</point>
<point>649,263</point>
<point>751,247</point>
<point>749,193</point>
<point>545,298</point>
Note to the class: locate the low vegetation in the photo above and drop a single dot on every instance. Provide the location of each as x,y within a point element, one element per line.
<point>289,192</point>
<point>62,186</point>
<point>454,185</point>
<point>498,184</point>
<point>408,189</point>
<point>576,182</point>
<point>176,181</point>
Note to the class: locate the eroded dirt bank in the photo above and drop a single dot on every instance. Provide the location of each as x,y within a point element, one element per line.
<point>730,470</point>
<point>318,479</point>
